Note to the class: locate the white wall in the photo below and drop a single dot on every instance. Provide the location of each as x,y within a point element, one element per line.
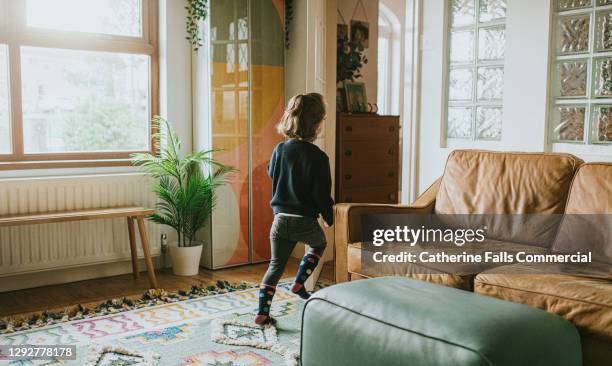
<point>525,91</point>
<point>369,71</point>
<point>430,156</point>
<point>297,54</point>
<point>175,70</point>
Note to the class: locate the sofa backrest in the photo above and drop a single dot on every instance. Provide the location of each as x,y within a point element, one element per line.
<point>487,182</point>
<point>587,225</point>
<point>591,190</point>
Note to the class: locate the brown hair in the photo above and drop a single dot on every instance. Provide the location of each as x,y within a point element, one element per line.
<point>302,117</point>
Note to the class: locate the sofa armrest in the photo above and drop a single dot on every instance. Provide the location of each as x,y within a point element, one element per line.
<point>347,227</point>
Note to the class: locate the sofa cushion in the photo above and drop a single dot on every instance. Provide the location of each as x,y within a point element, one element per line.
<point>588,214</point>
<point>411,270</point>
<point>591,191</point>
<point>587,302</point>
<point>485,182</point>
<point>456,275</point>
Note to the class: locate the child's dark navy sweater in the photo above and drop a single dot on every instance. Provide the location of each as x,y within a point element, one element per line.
<point>301,180</point>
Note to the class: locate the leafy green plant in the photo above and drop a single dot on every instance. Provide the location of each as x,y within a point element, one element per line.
<point>186,193</point>
<point>351,59</point>
<point>197,11</point>
<point>288,21</point>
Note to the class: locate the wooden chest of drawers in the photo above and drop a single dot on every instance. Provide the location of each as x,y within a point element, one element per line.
<point>367,158</point>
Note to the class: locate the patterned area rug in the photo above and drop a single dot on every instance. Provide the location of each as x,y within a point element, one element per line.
<point>175,333</point>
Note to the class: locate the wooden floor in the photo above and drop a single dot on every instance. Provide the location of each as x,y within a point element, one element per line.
<point>58,297</point>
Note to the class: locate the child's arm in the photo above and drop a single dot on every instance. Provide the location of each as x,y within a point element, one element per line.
<point>272,163</point>
<point>322,192</point>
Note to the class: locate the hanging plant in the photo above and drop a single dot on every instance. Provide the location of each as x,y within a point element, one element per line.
<point>351,59</point>
<point>288,21</point>
<point>196,12</point>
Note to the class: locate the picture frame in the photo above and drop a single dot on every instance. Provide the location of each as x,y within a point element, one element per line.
<point>356,98</point>
<point>360,33</point>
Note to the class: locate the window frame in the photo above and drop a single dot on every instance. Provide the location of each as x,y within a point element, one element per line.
<point>15,34</point>
<point>473,65</point>
<point>590,101</point>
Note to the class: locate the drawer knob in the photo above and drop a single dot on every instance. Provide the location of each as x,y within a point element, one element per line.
<point>390,151</point>
<point>349,128</point>
<point>391,128</point>
<point>348,152</point>
<point>348,177</point>
<point>391,196</point>
<point>391,173</point>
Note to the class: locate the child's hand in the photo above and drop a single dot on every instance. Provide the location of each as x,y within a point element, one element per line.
<point>326,224</point>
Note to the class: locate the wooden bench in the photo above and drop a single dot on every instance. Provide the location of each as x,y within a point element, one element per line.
<point>131,213</point>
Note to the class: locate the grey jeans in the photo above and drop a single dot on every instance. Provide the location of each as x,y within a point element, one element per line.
<point>285,233</point>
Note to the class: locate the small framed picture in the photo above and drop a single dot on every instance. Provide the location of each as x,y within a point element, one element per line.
<point>360,33</point>
<point>356,97</point>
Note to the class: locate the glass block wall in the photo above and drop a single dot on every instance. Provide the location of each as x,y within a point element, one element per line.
<point>476,69</point>
<point>582,72</point>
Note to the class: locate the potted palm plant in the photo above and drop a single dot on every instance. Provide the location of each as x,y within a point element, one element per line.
<point>185,186</point>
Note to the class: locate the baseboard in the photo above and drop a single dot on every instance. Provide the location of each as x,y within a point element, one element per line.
<point>66,275</point>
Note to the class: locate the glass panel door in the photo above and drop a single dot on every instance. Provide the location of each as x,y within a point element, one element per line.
<point>247,85</point>
<point>230,128</point>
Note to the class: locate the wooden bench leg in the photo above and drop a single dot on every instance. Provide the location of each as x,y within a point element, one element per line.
<point>133,248</point>
<point>147,253</point>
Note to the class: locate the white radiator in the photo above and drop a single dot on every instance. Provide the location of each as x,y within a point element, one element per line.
<point>33,248</point>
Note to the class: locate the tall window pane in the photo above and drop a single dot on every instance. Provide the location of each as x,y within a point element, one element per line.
<point>477,35</point>
<point>117,17</point>
<point>81,101</point>
<point>582,73</point>
<point>5,134</point>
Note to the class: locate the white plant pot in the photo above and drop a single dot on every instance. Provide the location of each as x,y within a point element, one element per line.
<point>185,260</point>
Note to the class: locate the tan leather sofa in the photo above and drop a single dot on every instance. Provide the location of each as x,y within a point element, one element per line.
<point>482,182</point>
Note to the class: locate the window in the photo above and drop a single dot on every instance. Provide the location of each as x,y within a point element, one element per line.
<point>582,72</point>
<point>77,87</point>
<point>476,69</point>
<point>389,61</point>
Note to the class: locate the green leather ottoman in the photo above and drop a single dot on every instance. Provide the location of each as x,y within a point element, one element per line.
<point>397,321</point>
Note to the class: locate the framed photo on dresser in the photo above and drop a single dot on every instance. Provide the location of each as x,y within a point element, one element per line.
<point>356,97</point>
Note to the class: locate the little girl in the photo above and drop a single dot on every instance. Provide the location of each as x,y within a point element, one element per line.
<point>301,191</point>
